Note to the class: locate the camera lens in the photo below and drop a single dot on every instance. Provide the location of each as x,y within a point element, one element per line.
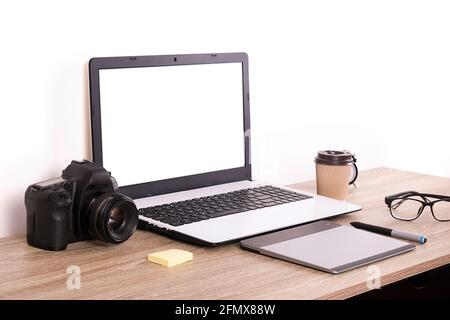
<point>113,217</point>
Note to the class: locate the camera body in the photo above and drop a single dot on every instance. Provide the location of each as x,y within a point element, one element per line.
<point>84,203</point>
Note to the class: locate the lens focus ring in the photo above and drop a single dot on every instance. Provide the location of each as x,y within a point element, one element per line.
<point>113,217</point>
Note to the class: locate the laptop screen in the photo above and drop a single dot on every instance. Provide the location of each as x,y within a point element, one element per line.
<point>166,122</point>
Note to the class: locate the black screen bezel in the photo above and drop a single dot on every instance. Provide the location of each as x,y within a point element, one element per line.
<point>153,188</point>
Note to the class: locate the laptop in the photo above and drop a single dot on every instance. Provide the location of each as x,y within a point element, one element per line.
<point>174,130</point>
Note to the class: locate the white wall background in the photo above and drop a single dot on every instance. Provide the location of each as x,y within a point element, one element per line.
<point>369,76</point>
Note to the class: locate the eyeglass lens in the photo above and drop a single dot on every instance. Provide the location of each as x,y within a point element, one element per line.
<point>406,208</point>
<point>441,210</point>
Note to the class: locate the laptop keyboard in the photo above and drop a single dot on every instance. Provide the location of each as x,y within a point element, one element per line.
<point>193,210</point>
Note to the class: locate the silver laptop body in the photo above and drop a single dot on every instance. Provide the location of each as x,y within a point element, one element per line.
<point>174,128</point>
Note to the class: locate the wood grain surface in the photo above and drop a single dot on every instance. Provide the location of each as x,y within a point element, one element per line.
<point>226,272</point>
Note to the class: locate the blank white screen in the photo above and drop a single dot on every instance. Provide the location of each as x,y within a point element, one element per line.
<point>171,121</point>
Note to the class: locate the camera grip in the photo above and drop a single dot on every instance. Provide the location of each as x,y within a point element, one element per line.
<point>48,219</point>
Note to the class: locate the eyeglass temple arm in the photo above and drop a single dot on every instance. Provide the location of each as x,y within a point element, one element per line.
<point>395,206</point>
<point>388,200</point>
<point>436,196</point>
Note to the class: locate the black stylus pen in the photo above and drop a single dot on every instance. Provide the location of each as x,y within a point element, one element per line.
<point>390,232</point>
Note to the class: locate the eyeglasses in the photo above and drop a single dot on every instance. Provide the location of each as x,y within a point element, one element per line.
<point>409,205</point>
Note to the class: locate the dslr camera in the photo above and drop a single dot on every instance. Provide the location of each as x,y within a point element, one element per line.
<point>84,203</point>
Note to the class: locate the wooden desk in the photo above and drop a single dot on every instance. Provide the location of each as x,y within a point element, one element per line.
<point>227,272</point>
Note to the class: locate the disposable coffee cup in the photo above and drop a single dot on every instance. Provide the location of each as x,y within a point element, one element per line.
<point>335,171</point>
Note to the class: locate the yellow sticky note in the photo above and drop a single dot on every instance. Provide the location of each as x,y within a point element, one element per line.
<point>171,257</point>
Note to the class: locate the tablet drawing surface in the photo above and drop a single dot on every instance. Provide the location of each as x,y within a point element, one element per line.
<point>327,246</point>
